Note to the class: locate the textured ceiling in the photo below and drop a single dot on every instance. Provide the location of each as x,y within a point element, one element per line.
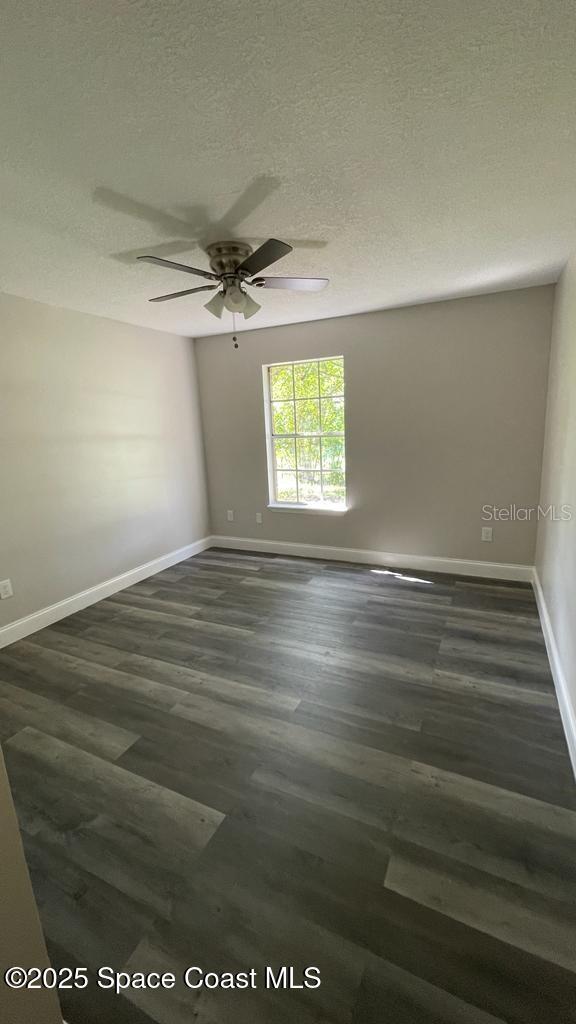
<point>409,149</point>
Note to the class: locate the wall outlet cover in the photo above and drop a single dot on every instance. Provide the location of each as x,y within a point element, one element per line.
<point>230,515</point>
<point>6,589</point>
<point>486,533</point>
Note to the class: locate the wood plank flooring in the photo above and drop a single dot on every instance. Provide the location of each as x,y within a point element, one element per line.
<point>250,760</point>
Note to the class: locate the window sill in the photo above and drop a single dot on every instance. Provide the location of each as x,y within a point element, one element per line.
<point>314,510</point>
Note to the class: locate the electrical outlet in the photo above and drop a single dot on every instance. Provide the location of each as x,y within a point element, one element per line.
<point>6,589</point>
<point>259,518</point>
<point>230,515</point>
<point>486,533</point>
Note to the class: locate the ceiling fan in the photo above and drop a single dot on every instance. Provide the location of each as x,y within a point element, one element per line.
<point>233,266</point>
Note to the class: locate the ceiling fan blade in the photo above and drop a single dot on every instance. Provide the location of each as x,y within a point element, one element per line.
<point>267,254</point>
<point>295,284</point>
<point>179,266</point>
<point>187,291</point>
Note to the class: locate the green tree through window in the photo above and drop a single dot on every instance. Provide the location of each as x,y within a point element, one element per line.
<point>306,432</point>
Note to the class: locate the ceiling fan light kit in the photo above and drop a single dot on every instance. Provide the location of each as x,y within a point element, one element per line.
<point>250,307</point>
<point>233,265</point>
<point>215,305</point>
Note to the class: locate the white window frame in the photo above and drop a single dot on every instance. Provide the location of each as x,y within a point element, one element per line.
<point>285,506</point>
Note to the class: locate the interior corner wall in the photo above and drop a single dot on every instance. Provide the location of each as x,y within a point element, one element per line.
<point>445,409</point>
<point>101,456</point>
<point>556,548</point>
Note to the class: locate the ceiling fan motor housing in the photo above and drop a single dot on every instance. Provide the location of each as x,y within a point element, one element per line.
<point>226,257</point>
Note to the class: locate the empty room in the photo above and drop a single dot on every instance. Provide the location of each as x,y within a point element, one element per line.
<point>288,512</point>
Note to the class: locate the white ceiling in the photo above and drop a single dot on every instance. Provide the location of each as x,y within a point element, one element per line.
<point>409,149</point>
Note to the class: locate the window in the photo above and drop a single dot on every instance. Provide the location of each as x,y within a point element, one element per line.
<point>305,432</point>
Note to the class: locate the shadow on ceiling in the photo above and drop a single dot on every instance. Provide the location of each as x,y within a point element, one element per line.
<point>192,225</point>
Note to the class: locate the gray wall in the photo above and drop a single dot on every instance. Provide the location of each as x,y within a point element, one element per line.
<point>21,939</point>
<point>556,550</point>
<point>101,460</point>
<point>445,413</point>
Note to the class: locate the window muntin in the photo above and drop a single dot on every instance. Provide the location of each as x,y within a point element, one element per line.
<point>306,432</point>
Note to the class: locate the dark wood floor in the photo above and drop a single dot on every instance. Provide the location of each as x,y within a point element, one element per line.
<point>252,760</point>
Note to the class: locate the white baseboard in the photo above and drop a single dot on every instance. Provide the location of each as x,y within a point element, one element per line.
<point>567,710</point>
<point>425,563</point>
<point>47,616</point>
